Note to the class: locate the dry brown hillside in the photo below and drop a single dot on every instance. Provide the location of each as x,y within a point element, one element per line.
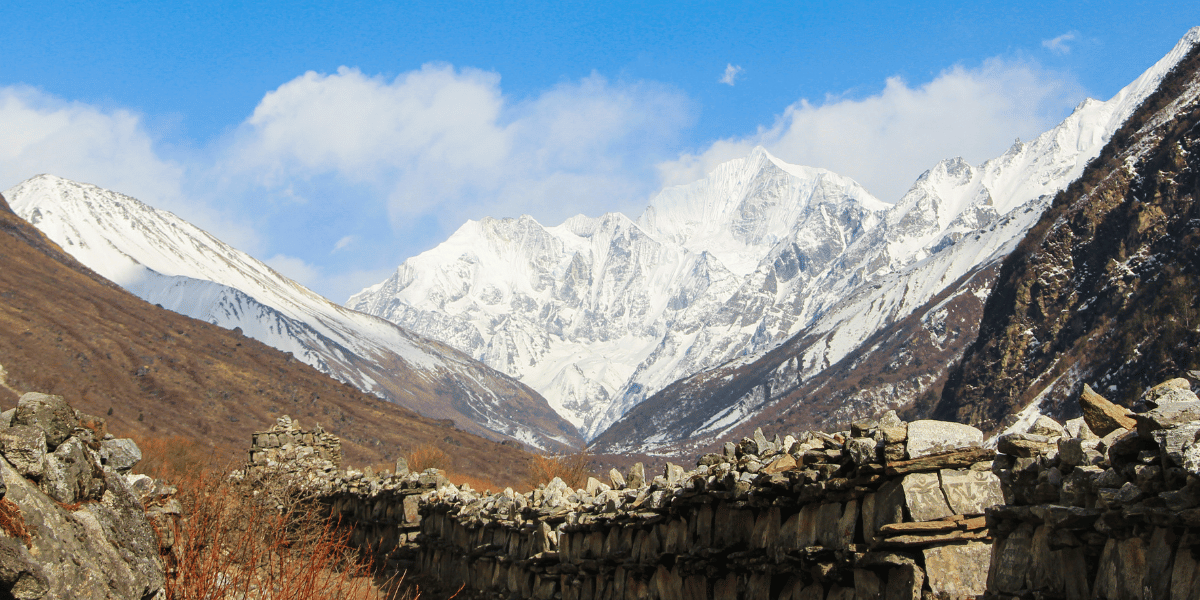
<point>153,373</point>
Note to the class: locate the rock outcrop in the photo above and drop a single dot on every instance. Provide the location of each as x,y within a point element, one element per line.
<point>73,521</point>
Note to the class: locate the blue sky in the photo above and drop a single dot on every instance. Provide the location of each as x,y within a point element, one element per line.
<point>334,140</point>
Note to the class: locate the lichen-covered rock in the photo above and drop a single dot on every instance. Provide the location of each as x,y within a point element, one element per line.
<point>49,413</point>
<point>25,448</point>
<point>120,455</point>
<point>71,474</point>
<point>20,575</point>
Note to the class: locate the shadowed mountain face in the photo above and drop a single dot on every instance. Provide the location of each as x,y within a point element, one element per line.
<point>1105,289</point>
<point>65,330</point>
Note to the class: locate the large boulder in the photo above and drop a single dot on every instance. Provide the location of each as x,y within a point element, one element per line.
<point>49,413</point>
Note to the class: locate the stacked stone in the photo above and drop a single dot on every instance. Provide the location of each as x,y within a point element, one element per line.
<point>289,444</point>
<point>886,509</point>
<point>1107,506</point>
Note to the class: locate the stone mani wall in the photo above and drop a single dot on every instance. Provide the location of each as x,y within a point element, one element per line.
<point>817,517</point>
<point>1106,507</point>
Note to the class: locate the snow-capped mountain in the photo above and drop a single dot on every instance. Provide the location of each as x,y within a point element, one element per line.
<point>598,314</point>
<point>945,238</point>
<point>166,260</point>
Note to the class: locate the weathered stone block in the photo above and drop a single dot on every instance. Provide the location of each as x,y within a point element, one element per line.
<point>905,583</point>
<point>867,585</point>
<point>970,492</point>
<point>120,455</point>
<point>25,447</point>
<point>933,437</point>
<point>1103,417</point>
<point>49,413</point>
<point>71,475</point>
<point>924,498</point>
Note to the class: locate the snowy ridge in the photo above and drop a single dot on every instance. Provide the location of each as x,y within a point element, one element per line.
<point>166,260</point>
<point>599,313</point>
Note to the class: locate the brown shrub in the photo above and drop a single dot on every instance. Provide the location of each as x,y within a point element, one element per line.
<point>573,469</point>
<point>427,456</point>
<point>174,458</point>
<point>238,541</point>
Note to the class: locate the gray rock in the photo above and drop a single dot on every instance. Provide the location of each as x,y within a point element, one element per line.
<point>49,413</point>
<point>924,498</point>
<point>1078,428</point>
<point>20,575</point>
<point>762,446</point>
<point>970,492</point>
<point>862,450</point>
<point>71,475</point>
<point>6,417</point>
<point>958,571</point>
<point>1048,427</point>
<point>1172,441</point>
<point>1023,444</point>
<point>933,437</point>
<point>402,466</point>
<point>1167,416</point>
<point>637,475</point>
<point>1073,451</point>
<point>120,455</point>
<point>104,549</point>
<point>25,447</point>
<point>1171,391</point>
<point>618,481</point>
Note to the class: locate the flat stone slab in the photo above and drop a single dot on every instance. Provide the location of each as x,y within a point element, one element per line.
<point>970,492</point>
<point>924,497</point>
<point>935,437</point>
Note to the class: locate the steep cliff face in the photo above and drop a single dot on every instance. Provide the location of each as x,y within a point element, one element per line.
<point>1105,289</point>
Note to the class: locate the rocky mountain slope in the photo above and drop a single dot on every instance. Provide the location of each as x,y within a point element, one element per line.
<point>908,297</point>
<point>154,373</point>
<point>1105,290</point>
<point>169,262</point>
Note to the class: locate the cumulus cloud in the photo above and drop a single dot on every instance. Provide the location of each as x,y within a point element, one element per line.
<point>447,141</point>
<point>1060,44</point>
<point>731,73</point>
<point>43,134</point>
<point>886,140</point>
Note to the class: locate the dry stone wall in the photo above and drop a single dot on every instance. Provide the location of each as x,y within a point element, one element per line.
<point>1106,506</point>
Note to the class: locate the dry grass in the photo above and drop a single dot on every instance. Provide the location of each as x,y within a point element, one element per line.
<point>238,542</point>
<point>427,456</point>
<point>13,523</point>
<point>573,469</point>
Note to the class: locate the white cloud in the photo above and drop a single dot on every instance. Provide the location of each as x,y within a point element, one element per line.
<point>344,242</point>
<point>444,141</point>
<point>731,73</point>
<point>885,141</point>
<point>43,134</point>
<point>1061,44</point>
